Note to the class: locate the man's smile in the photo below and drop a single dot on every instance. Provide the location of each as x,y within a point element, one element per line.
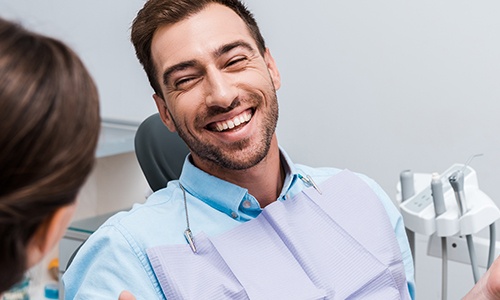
<point>234,122</point>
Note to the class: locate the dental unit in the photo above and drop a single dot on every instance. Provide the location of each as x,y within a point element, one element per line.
<point>445,206</point>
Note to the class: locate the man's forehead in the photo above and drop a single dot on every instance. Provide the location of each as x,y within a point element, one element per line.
<point>202,32</point>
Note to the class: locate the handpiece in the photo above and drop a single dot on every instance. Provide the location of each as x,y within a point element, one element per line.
<point>457,183</point>
<point>437,194</point>
<point>407,184</point>
<point>408,191</point>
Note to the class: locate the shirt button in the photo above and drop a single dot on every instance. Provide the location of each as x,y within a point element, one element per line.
<point>234,215</point>
<point>247,204</point>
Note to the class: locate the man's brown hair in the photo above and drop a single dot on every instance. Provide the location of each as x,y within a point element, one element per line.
<point>156,13</point>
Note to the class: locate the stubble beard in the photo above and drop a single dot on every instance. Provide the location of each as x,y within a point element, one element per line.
<point>240,155</point>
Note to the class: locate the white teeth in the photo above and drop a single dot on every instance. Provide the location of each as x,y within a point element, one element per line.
<point>236,121</point>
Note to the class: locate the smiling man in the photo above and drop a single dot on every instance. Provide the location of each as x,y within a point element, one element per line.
<point>259,226</point>
<point>219,94</point>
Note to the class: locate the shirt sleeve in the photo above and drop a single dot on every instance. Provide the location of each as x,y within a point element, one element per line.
<point>108,263</point>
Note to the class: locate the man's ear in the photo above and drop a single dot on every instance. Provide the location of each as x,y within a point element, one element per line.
<point>273,69</point>
<point>165,116</point>
<point>49,233</point>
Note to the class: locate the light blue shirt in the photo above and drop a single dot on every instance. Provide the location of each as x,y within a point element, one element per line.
<point>114,258</point>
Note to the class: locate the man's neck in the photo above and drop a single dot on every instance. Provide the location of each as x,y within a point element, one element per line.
<point>264,181</point>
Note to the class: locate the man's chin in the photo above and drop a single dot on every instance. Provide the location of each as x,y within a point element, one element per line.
<point>241,160</point>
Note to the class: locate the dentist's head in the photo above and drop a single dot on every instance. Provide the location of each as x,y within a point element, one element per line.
<point>49,127</point>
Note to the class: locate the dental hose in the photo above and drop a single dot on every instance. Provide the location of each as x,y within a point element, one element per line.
<point>444,271</point>
<point>457,183</point>
<point>439,209</point>
<point>473,257</point>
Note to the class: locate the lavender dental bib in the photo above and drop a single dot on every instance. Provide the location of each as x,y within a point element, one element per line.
<point>335,245</point>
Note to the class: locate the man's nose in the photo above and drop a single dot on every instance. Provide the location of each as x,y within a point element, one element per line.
<point>221,90</point>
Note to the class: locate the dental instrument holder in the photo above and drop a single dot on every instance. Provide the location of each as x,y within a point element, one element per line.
<point>420,216</point>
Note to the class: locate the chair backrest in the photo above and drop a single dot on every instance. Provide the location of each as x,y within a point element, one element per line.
<point>160,153</point>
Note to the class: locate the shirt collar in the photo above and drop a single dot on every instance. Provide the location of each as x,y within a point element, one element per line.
<point>292,174</point>
<point>228,197</point>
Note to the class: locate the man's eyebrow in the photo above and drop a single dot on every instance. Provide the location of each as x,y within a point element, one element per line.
<point>228,47</point>
<point>191,63</point>
<point>177,67</point>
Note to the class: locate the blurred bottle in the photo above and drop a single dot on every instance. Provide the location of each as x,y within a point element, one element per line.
<point>51,291</point>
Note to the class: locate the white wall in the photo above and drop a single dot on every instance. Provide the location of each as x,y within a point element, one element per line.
<point>99,31</point>
<point>373,86</point>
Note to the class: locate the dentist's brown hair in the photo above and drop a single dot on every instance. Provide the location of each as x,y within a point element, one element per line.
<point>49,127</point>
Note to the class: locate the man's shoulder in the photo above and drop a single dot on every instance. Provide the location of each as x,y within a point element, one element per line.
<point>146,223</point>
<point>320,174</point>
<point>317,171</point>
<point>159,200</point>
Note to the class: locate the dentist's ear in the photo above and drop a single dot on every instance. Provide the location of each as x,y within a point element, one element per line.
<point>273,69</point>
<point>165,116</point>
<point>49,233</point>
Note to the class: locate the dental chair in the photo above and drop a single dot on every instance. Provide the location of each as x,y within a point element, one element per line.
<point>160,153</point>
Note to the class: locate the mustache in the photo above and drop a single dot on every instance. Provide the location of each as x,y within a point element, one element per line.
<point>253,99</point>
<point>216,110</point>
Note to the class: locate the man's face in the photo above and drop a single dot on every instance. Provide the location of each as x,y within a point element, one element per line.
<point>220,92</point>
